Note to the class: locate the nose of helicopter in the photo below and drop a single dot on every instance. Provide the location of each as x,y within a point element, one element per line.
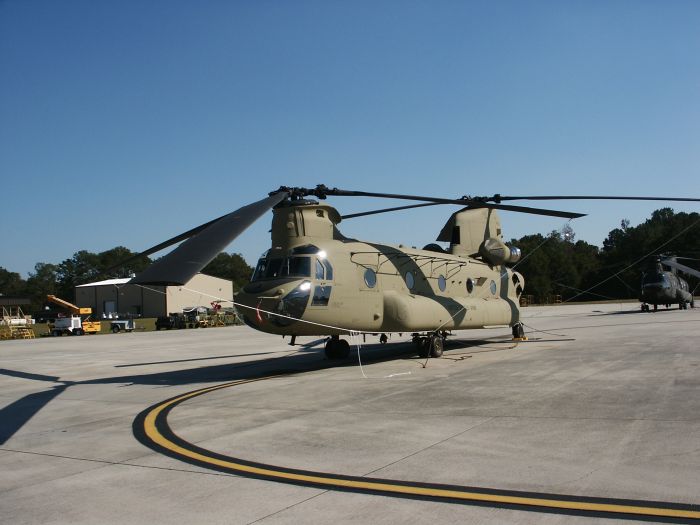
<point>279,304</point>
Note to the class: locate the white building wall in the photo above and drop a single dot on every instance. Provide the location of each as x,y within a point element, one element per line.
<point>153,301</point>
<point>201,290</point>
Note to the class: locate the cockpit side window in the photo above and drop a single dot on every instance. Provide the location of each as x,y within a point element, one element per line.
<point>259,272</point>
<point>319,270</point>
<point>273,268</point>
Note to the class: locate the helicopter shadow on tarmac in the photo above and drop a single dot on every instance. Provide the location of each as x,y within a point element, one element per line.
<point>660,311</point>
<point>298,360</point>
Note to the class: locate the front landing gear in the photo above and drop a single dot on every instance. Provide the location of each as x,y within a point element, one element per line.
<point>519,332</point>
<point>337,348</point>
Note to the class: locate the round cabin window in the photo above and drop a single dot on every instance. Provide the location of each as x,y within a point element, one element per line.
<point>410,280</point>
<point>370,278</point>
<point>442,283</point>
<point>470,285</point>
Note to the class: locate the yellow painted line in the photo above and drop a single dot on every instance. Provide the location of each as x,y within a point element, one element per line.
<point>154,435</point>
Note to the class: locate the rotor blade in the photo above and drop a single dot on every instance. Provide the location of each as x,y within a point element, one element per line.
<point>528,209</point>
<point>499,198</point>
<point>386,210</point>
<point>682,267</point>
<point>180,265</point>
<point>466,201</point>
<point>163,245</point>
<point>186,235</point>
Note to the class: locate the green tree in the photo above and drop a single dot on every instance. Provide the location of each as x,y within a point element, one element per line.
<point>230,266</point>
<point>42,282</point>
<point>555,265</point>
<point>11,283</point>
<point>122,262</point>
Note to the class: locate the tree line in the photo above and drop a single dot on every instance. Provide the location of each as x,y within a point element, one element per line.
<point>553,265</point>
<point>578,271</point>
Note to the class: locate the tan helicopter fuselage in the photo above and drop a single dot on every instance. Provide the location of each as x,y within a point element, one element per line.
<point>314,281</point>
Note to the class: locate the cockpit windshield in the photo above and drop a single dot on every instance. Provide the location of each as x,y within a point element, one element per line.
<point>299,264</point>
<point>655,279</point>
<point>277,267</point>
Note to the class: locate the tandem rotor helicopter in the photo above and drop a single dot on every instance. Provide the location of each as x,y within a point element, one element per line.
<point>662,286</point>
<point>314,281</point>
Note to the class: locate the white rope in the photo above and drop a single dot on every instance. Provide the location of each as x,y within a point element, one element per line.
<point>355,340</point>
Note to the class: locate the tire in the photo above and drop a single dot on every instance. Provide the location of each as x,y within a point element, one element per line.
<point>423,346</point>
<point>115,329</point>
<point>337,349</point>
<point>437,345</point>
<point>518,331</point>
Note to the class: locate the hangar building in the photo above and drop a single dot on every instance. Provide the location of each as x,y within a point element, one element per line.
<point>118,296</point>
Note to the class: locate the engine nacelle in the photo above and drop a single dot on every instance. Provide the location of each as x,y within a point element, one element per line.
<point>495,252</point>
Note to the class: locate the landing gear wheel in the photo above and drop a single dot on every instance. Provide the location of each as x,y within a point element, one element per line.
<point>422,345</point>
<point>383,339</point>
<point>337,348</point>
<point>437,345</point>
<point>518,331</point>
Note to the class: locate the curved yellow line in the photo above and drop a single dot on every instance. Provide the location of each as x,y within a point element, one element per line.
<point>153,434</point>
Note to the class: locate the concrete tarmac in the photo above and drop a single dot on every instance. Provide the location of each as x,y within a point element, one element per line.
<point>602,401</point>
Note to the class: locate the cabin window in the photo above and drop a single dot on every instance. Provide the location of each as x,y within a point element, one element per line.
<point>442,283</point>
<point>370,278</point>
<point>410,280</point>
<point>470,285</point>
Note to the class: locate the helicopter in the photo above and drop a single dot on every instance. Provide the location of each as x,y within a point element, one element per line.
<point>662,286</point>
<point>314,281</point>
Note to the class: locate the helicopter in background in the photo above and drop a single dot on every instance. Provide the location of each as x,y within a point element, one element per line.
<point>314,281</point>
<point>665,286</point>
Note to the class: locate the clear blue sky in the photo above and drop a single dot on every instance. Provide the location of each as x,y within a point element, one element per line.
<point>127,122</point>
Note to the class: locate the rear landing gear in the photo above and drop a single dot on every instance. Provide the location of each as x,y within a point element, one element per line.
<point>430,345</point>
<point>337,348</point>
